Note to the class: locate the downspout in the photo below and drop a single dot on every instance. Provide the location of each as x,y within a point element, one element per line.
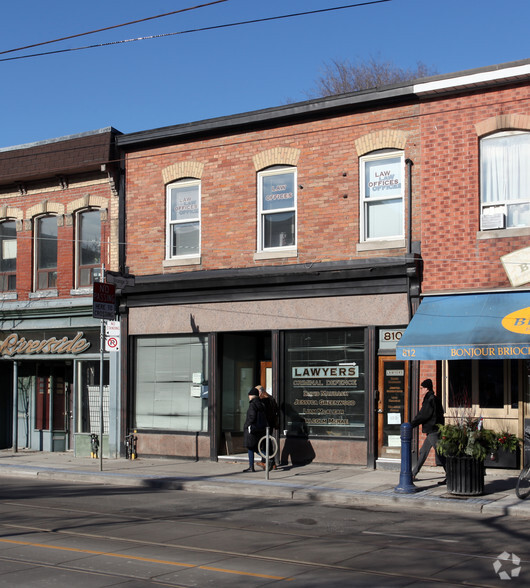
<point>121,214</point>
<point>409,164</point>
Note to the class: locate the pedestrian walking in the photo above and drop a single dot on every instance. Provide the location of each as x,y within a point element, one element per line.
<point>254,427</point>
<point>429,417</point>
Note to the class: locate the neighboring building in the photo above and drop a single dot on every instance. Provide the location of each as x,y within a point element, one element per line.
<point>470,330</point>
<point>58,227</point>
<point>288,246</point>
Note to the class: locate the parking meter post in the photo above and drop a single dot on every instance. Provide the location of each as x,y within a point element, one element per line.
<point>406,485</point>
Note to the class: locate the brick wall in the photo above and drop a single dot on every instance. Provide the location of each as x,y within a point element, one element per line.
<point>326,153</point>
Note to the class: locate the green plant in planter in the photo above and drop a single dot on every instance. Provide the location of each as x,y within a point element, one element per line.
<point>466,438</point>
<point>507,442</point>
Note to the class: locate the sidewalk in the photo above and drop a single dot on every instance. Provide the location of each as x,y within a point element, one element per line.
<point>330,484</point>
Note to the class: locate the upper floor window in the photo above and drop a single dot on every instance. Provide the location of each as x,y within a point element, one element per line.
<point>8,256</point>
<point>183,218</point>
<point>505,180</point>
<point>382,189</point>
<point>88,247</point>
<point>46,252</point>
<point>277,208</point>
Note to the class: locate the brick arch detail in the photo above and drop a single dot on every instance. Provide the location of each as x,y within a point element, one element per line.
<point>503,122</point>
<point>384,139</point>
<point>183,169</point>
<point>45,207</point>
<point>10,213</point>
<point>87,201</point>
<point>276,156</point>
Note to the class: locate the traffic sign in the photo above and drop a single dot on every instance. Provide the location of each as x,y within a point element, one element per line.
<point>104,301</point>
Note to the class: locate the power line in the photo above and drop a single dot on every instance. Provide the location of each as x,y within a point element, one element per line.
<point>197,30</point>
<point>125,24</point>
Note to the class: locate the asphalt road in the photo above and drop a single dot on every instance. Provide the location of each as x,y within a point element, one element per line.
<point>61,534</point>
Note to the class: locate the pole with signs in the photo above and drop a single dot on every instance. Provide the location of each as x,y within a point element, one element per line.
<point>104,308</point>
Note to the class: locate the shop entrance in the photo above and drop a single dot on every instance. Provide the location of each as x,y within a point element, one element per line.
<point>392,407</point>
<point>53,403</point>
<point>245,363</point>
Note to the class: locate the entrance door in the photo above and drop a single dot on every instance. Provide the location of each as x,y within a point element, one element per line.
<point>393,406</point>
<point>53,400</point>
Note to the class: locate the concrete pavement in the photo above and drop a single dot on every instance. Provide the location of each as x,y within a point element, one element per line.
<point>331,484</point>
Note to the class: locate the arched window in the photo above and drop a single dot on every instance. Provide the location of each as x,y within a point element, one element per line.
<point>382,191</point>
<point>8,256</point>
<point>46,253</point>
<point>88,245</point>
<point>505,180</point>
<point>183,219</point>
<point>277,208</point>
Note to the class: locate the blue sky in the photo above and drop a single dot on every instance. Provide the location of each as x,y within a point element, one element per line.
<point>183,78</point>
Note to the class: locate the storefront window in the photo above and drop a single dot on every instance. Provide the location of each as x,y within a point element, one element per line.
<point>324,383</point>
<point>88,397</point>
<point>171,391</point>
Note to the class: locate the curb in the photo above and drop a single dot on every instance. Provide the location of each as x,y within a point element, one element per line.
<point>503,505</point>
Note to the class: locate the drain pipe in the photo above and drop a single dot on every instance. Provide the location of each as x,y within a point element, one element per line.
<point>409,164</point>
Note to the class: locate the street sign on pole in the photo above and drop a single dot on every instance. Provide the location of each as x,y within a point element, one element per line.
<point>104,301</point>
<point>112,335</point>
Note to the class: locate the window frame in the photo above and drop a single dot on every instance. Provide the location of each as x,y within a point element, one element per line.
<point>95,269</point>
<point>182,183</point>
<point>8,278</point>
<point>501,205</point>
<point>262,214</point>
<point>50,284</point>
<point>380,155</point>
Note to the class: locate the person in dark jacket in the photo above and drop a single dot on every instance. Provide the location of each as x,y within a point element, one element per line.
<point>254,427</point>
<point>272,412</point>
<point>429,417</point>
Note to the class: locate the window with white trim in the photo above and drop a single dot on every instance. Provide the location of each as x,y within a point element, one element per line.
<point>8,256</point>
<point>183,219</point>
<point>505,180</point>
<point>382,190</point>
<point>277,208</point>
<point>88,254</point>
<point>46,252</point>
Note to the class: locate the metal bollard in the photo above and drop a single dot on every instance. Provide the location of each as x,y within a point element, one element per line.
<point>406,485</point>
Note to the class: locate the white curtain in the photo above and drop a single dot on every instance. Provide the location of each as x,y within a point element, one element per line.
<point>505,168</point>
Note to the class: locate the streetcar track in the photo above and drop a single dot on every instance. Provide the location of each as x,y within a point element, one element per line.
<point>272,559</point>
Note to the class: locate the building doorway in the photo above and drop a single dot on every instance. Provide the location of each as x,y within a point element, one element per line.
<point>244,356</point>
<point>393,406</point>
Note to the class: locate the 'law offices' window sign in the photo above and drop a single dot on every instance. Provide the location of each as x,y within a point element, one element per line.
<point>327,401</point>
<point>44,343</point>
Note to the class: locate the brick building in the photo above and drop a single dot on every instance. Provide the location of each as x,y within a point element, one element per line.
<point>291,246</point>
<point>475,225</point>
<point>58,225</point>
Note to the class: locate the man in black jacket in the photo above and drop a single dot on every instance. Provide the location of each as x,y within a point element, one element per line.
<point>430,416</point>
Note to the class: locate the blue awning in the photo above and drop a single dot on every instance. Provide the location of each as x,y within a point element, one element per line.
<point>469,326</point>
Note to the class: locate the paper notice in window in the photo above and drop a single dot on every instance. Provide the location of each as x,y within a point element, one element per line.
<point>394,418</point>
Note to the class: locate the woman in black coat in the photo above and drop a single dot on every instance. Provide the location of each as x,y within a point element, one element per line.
<point>255,426</point>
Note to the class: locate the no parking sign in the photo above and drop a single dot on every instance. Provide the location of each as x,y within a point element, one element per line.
<point>112,335</point>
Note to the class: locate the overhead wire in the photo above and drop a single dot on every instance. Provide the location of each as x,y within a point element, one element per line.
<point>196,30</point>
<point>124,24</point>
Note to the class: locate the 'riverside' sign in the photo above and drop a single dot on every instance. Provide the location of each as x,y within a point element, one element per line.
<point>16,345</point>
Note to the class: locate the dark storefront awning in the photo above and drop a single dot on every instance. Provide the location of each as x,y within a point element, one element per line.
<point>469,326</point>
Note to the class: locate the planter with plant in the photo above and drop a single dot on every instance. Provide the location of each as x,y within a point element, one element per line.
<point>466,444</point>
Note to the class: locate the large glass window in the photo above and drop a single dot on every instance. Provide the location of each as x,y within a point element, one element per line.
<point>277,208</point>
<point>382,189</point>
<point>88,417</point>
<point>8,256</point>
<point>46,243</point>
<point>88,247</point>
<point>505,180</point>
<point>325,383</point>
<point>171,383</point>
<point>183,219</point>
<point>487,388</point>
